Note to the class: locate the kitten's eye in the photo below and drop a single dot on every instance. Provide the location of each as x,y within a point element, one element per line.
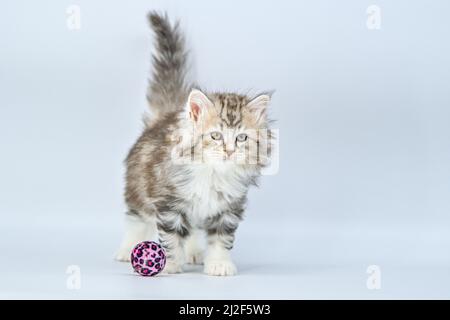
<point>241,137</point>
<point>216,135</point>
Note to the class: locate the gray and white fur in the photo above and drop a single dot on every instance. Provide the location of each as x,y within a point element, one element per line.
<point>189,172</point>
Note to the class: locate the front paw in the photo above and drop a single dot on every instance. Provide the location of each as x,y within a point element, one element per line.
<point>220,268</point>
<point>172,267</point>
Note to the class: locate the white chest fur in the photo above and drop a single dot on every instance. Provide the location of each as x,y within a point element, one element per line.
<point>211,188</point>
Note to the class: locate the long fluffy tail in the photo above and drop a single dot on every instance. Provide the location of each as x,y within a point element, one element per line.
<point>167,89</point>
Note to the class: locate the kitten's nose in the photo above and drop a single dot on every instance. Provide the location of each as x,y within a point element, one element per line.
<point>229,152</point>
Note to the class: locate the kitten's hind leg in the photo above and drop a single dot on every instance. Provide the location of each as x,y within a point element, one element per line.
<point>137,229</point>
<point>194,247</point>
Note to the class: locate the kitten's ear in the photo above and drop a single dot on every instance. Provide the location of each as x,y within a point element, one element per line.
<point>258,106</point>
<point>197,104</point>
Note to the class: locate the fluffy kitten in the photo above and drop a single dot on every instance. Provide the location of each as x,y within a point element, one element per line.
<point>189,172</point>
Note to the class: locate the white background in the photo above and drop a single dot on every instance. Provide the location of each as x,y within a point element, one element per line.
<point>364,145</point>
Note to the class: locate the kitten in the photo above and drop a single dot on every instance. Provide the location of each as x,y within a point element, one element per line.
<point>189,172</point>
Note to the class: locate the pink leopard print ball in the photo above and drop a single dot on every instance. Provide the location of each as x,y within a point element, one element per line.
<point>148,258</point>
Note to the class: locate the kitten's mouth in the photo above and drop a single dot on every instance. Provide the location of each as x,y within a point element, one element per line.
<point>223,159</point>
<point>232,158</point>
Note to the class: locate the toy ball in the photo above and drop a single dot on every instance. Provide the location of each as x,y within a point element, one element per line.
<point>148,258</point>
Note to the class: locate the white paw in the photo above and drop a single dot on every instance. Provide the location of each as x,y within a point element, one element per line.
<point>172,267</point>
<point>123,255</point>
<point>194,257</point>
<point>220,268</point>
